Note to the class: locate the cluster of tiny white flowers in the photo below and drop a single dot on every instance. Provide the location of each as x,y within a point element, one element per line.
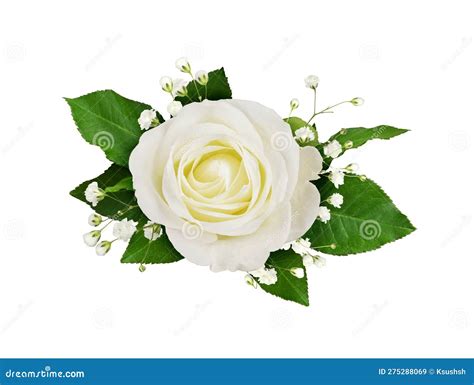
<point>304,134</point>
<point>309,256</point>
<point>265,276</point>
<point>94,194</point>
<point>147,119</point>
<point>333,149</point>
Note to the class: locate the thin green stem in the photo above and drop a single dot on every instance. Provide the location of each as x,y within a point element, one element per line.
<point>326,110</point>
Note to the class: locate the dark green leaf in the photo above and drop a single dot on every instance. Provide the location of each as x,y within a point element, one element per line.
<point>117,205</point>
<point>110,121</point>
<point>287,286</point>
<point>367,219</point>
<point>217,88</point>
<point>142,250</point>
<point>360,135</point>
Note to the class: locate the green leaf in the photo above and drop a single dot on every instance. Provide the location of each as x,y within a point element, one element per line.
<point>110,121</point>
<point>287,286</point>
<point>217,88</point>
<point>125,184</point>
<point>117,205</point>
<point>366,220</point>
<point>296,123</point>
<point>360,135</point>
<point>142,250</point>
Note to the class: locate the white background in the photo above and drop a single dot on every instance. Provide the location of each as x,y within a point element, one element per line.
<point>413,64</point>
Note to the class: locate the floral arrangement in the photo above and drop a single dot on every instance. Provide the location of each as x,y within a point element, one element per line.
<point>230,184</point>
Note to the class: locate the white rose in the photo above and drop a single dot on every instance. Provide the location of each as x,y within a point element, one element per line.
<point>228,181</point>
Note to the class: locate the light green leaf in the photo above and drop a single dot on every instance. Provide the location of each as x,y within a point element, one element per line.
<point>116,205</point>
<point>125,184</point>
<point>296,123</point>
<point>142,250</point>
<point>108,120</point>
<point>358,136</point>
<point>367,219</point>
<point>217,88</point>
<point>287,286</point>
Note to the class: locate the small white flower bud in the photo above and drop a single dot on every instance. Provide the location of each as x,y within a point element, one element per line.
<point>94,219</point>
<point>333,246</point>
<point>298,272</point>
<point>250,281</point>
<point>91,238</point>
<point>308,260</point>
<point>103,248</point>
<point>357,101</point>
<point>294,104</point>
<point>141,268</point>
<point>180,87</point>
<point>166,84</point>
<point>353,167</point>
<point>174,107</point>
<point>202,77</point>
<point>348,144</point>
<point>362,178</point>
<point>183,65</point>
<point>319,261</point>
<point>311,81</point>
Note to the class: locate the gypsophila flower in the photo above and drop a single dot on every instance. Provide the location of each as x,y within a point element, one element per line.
<point>146,119</point>
<point>333,149</point>
<point>94,194</point>
<point>180,87</point>
<point>183,65</point>
<point>124,229</point>
<point>298,272</point>
<point>152,231</point>
<point>294,104</point>
<point>141,268</point>
<point>103,248</point>
<point>304,134</point>
<point>349,144</point>
<point>336,200</point>
<point>174,107</point>
<point>336,176</point>
<point>94,219</point>
<point>202,77</point>
<point>302,247</point>
<point>357,101</point>
<point>91,238</point>
<point>311,81</point>
<point>265,276</point>
<point>166,84</point>
<point>324,214</point>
